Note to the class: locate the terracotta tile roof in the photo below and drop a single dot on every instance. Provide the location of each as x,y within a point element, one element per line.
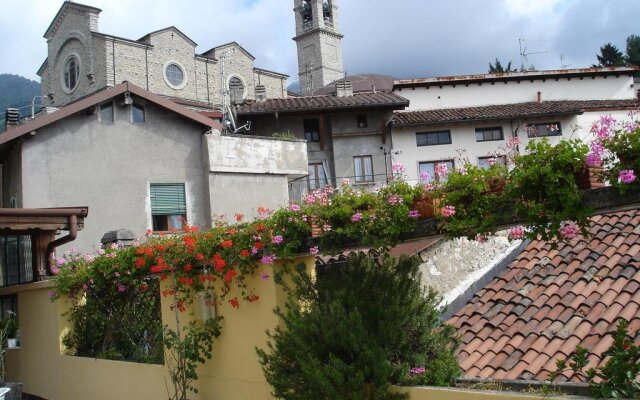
<point>548,301</point>
<point>507,111</point>
<point>323,103</point>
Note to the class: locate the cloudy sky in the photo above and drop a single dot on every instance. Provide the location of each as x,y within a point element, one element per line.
<point>402,38</point>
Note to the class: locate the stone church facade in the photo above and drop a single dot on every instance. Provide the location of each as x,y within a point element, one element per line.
<point>82,60</point>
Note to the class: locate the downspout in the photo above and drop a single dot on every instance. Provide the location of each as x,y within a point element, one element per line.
<point>113,60</point>
<point>146,64</point>
<point>73,233</point>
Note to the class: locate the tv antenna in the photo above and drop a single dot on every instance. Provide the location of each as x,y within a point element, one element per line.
<point>524,53</point>
<point>562,64</point>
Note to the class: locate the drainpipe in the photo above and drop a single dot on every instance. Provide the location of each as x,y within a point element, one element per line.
<point>72,221</point>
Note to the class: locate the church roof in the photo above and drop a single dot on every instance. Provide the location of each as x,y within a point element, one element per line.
<point>508,111</point>
<point>361,83</point>
<point>146,37</point>
<point>60,14</point>
<point>323,103</point>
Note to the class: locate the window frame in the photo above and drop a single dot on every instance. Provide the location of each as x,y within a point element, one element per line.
<point>65,76</point>
<point>362,121</point>
<point>113,113</point>
<point>427,134</point>
<point>27,252</point>
<point>233,89</point>
<point>317,167</point>
<point>167,79</point>
<point>484,130</point>
<point>434,162</point>
<point>144,113</point>
<point>311,136</point>
<point>169,219</point>
<point>365,178</point>
<point>497,156</point>
<point>532,129</point>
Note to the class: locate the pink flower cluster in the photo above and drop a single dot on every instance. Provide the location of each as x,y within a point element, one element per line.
<point>278,239</point>
<point>569,231</point>
<point>319,196</point>
<point>417,370</point>
<point>356,217</point>
<point>294,207</point>
<point>448,211</point>
<point>414,214</point>
<point>441,170</point>
<point>425,176</point>
<point>398,168</point>
<point>516,233</point>
<point>394,199</point>
<point>512,142</point>
<point>627,176</point>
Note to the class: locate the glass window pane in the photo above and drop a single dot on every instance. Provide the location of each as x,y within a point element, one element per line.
<point>443,137</point>
<point>368,168</point>
<point>106,113</point>
<point>358,169</point>
<point>137,114</point>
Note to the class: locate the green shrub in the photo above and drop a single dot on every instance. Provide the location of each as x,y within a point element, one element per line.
<point>357,328</point>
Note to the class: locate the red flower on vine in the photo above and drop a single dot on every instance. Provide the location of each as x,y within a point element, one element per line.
<point>187,268</point>
<point>230,275</point>
<point>185,280</point>
<point>234,302</point>
<point>218,262</point>
<point>226,243</point>
<point>199,256</point>
<point>189,241</point>
<point>258,245</point>
<point>244,253</point>
<point>140,262</point>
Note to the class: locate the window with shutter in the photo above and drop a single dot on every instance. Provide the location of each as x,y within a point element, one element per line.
<point>168,206</point>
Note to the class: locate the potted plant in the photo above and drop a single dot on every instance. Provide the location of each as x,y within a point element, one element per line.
<point>544,192</point>
<point>8,330</point>
<point>622,157</point>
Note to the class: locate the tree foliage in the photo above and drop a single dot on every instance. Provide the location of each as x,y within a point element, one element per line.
<point>610,56</point>
<point>355,330</point>
<point>16,91</point>
<point>633,50</point>
<point>498,68</point>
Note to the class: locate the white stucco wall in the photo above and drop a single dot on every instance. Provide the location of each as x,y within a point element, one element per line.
<point>108,167</point>
<point>474,94</point>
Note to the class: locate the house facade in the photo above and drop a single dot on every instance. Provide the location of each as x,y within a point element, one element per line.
<point>347,135</point>
<point>471,118</point>
<point>144,163</point>
<point>82,60</point>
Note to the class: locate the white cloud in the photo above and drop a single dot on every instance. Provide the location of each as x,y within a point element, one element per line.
<point>520,8</point>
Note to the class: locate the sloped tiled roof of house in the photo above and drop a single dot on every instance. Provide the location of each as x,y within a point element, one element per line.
<point>548,301</point>
<point>508,111</point>
<point>323,103</point>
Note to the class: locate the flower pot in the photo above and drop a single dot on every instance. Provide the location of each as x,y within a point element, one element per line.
<point>426,206</point>
<point>316,229</point>
<point>589,177</point>
<point>496,185</point>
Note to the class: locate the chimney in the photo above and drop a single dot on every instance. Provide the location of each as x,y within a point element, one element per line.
<point>261,93</point>
<point>539,97</point>
<point>11,118</point>
<point>344,89</point>
<point>373,88</point>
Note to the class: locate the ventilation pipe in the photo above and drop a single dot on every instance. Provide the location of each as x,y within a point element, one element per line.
<point>539,97</point>
<point>11,118</point>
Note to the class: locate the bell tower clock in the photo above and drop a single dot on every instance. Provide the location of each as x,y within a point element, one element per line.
<point>319,43</point>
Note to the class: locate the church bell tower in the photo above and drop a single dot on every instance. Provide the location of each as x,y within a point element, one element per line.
<point>319,44</point>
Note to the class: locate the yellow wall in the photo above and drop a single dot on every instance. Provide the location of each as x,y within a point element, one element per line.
<point>232,374</point>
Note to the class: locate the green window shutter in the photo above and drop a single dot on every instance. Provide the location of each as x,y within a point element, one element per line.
<point>168,199</point>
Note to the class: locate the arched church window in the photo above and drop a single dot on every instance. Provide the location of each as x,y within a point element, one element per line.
<point>307,15</point>
<point>327,12</point>
<point>71,74</point>
<point>236,90</point>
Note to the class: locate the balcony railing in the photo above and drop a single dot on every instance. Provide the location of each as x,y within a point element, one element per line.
<point>298,188</point>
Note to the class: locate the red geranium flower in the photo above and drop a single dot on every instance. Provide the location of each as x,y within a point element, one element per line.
<point>226,243</point>
<point>140,262</point>
<point>244,253</point>
<point>230,275</point>
<point>187,268</point>
<point>234,302</point>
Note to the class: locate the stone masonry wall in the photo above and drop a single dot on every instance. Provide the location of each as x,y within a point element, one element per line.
<point>108,61</point>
